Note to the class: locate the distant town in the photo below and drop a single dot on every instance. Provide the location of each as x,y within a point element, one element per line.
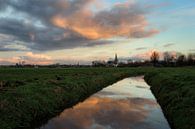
<point>169,60</point>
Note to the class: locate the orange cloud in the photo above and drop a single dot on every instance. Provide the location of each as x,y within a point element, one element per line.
<point>29,58</point>
<point>12,60</point>
<point>125,20</point>
<point>38,56</point>
<point>98,112</point>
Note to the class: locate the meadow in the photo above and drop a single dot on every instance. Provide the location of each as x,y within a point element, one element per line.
<point>29,96</point>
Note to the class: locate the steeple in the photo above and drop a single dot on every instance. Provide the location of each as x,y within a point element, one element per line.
<point>116,59</point>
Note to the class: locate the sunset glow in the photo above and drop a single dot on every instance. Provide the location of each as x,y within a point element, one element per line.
<point>71,31</point>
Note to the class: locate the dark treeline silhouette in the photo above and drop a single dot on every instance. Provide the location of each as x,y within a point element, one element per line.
<point>173,59</point>
<point>167,59</point>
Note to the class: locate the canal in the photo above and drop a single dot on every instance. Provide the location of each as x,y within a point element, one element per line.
<point>127,104</point>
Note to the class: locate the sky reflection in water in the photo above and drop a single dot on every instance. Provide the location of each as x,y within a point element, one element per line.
<point>127,104</point>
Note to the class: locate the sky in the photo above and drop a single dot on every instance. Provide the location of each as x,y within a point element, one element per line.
<point>72,31</point>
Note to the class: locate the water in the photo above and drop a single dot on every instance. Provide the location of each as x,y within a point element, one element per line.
<point>127,104</point>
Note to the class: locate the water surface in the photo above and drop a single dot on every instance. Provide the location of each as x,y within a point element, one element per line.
<point>127,104</point>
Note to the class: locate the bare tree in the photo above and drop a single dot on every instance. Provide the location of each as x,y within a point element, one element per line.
<point>154,58</point>
<point>181,59</point>
<point>191,59</point>
<point>167,57</point>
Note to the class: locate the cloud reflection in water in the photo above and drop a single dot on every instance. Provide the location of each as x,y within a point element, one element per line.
<point>105,111</point>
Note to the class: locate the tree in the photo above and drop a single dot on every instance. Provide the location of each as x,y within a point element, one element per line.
<point>191,59</point>
<point>167,57</point>
<point>181,59</point>
<point>170,58</point>
<point>154,58</point>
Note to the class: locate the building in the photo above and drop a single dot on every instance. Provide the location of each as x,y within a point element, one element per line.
<point>116,59</point>
<point>109,63</point>
<point>113,63</point>
<point>98,63</point>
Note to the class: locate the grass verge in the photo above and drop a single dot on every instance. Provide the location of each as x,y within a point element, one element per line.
<point>175,92</point>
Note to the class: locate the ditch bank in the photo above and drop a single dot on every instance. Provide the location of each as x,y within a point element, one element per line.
<point>30,105</point>
<point>176,95</point>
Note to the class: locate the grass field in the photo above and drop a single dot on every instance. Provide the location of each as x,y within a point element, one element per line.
<point>29,97</point>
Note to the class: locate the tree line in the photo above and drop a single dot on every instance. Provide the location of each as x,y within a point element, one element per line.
<point>172,59</point>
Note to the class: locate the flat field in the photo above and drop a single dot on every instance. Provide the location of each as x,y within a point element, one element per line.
<point>29,97</point>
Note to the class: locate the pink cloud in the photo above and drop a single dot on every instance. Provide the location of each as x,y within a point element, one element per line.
<point>29,58</point>
<point>147,55</point>
<point>124,19</point>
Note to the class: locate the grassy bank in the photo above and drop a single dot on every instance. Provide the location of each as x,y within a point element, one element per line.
<point>175,92</point>
<point>29,97</point>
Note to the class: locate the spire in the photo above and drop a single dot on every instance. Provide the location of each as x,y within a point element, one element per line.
<point>116,59</point>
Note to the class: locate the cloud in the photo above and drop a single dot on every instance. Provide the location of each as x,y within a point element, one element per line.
<point>168,45</point>
<point>9,61</point>
<point>5,41</point>
<point>9,43</point>
<point>53,25</point>
<point>141,48</point>
<point>97,113</point>
<point>126,20</point>
<point>29,58</point>
<point>146,55</point>
<point>37,56</point>
<point>192,50</point>
<point>3,49</point>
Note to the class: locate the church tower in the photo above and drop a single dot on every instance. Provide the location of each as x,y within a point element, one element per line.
<point>116,59</point>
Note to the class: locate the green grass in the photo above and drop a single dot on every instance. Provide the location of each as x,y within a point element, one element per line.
<point>29,97</point>
<point>175,92</point>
